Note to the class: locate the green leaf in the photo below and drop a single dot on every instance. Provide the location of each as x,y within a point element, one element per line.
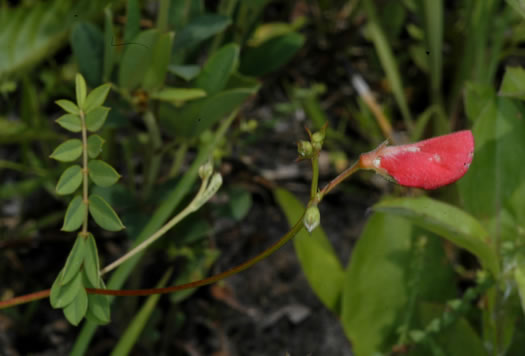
<point>97,97</point>
<point>477,97</point>
<point>56,290</point>
<point>497,169</point>
<point>199,115</point>
<point>198,30</point>
<point>96,118</point>
<point>87,43</point>
<point>132,27</point>
<point>156,73</point>
<point>513,84</point>
<point>98,309</point>
<point>68,151</point>
<point>75,213</point>
<point>240,202</point>
<point>103,214</point>
<point>382,286</point>
<point>74,260</point>
<point>218,68</point>
<point>446,221</point>
<point>186,72</point>
<point>316,254</point>
<point>68,106</point>
<point>67,292</point>
<point>81,90</point>
<point>70,122</point>
<point>94,145</point>
<point>271,54</point>
<point>178,96</point>
<point>70,180</point>
<point>91,262</point>
<point>518,6</point>
<point>76,311</point>
<point>102,174</point>
<point>137,59</point>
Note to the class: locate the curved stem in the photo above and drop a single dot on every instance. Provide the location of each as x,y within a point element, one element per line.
<point>270,250</point>
<point>345,174</point>
<point>141,292</point>
<point>315,176</point>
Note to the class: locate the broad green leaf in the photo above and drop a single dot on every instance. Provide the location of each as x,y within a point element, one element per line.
<point>87,43</point>
<point>96,118</point>
<point>102,174</point>
<point>198,30</point>
<point>139,322</point>
<point>513,84</point>
<point>318,260</point>
<point>199,115</point>
<point>446,221</point>
<point>94,145</point>
<point>76,311</point>
<point>519,277</point>
<point>478,98</point>
<point>70,122</point>
<point>103,214</point>
<point>382,287</point>
<point>98,309</point>
<point>75,213</point>
<point>67,292</point>
<point>218,68</point>
<point>68,106</point>
<point>497,169</point>
<point>80,90</point>
<point>137,59</point>
<point>74,260</point>
<point>68,151</point>
<point>156,73</point>
<point>97,97</point>
<point>271,55</point>
<point>91,265</point>
<point>70,180</point>
<point>186,72</point>
<point>178,95</point>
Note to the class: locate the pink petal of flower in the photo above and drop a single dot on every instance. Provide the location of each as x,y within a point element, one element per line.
<point>427,164</point>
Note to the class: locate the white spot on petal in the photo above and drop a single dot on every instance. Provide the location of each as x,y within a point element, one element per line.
<point>437,157</point>
<point>376,162</point>
<point>412,149</point>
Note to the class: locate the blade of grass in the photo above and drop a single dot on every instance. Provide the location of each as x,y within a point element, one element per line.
<point>137,325</point>
<point>388,61</point>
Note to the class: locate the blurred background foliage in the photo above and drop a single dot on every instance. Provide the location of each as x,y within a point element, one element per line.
<point>193,79</point>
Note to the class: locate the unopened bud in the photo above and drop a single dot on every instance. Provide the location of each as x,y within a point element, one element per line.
<point>205,170</point>
<point>312,218</point>
<point>304,148</point>
<point>317,140</point>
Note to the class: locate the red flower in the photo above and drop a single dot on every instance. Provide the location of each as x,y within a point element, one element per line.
<point>427,164</point>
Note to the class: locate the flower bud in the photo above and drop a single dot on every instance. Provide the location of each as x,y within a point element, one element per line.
<point>305,149</point>
<point>205,170</point>
<point>312,218</point>
<point>317,140</point>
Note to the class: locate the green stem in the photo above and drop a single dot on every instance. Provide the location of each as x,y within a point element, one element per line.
<point>85,178</point>
<point>315,176</point>
<point>156,155</point>
<point>341,177</point>
<point>174,221</point>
